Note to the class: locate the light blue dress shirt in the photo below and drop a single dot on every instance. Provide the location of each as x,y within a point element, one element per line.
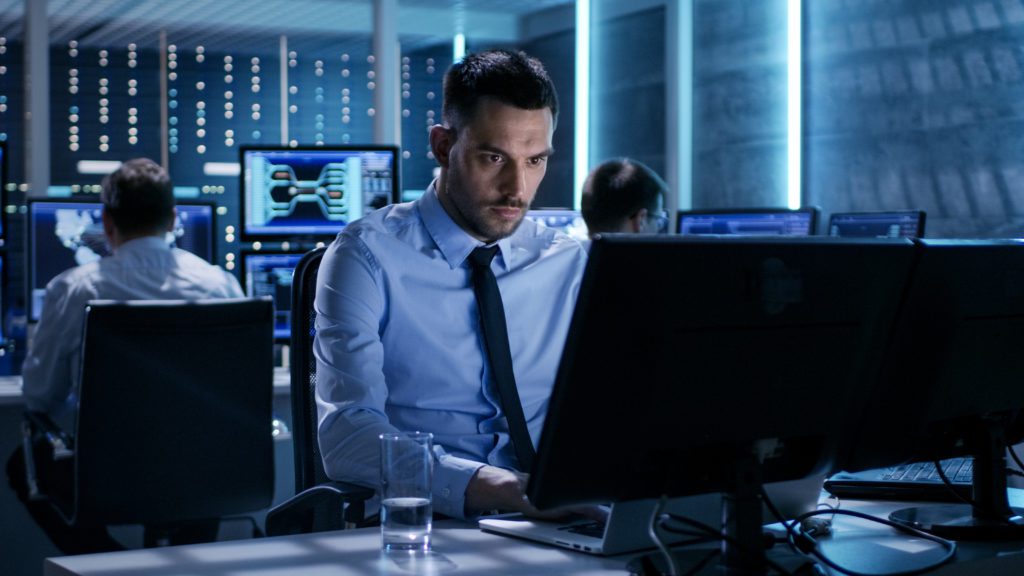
<point>398,344</point>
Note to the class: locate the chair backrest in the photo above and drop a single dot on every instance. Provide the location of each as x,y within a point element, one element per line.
<point>175,411</point>
<point>309,468</point>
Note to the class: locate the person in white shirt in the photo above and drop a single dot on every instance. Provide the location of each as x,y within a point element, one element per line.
<point>138,211</point>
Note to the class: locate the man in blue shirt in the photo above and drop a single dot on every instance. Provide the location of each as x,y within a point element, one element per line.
<point>398,341</point>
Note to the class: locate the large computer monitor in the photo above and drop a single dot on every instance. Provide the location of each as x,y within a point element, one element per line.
<point>63,233</point>
<point>313,192</point>
<point>952,381</point>
<point>889,224</point>
<point>698,365</point>
<point>748,221</point>
<point>269,273</point>
<point>563,219</point>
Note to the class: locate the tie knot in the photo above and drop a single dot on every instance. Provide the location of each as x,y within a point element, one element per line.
<point>481,257</point>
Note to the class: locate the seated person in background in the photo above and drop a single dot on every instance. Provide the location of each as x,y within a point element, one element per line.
<point>399,339</point>
<point>138,211</point>
<point>624,195</point>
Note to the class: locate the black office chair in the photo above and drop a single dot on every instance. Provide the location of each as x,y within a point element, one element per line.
<point>320,503</point>
<point>174,417</point>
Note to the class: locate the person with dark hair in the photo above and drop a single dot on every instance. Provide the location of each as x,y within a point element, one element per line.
<point>624,195</point>
<point>448,314</point>
<point>138,211</point>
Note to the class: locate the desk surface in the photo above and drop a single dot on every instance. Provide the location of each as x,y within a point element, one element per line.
<point>10,390</point>
<point>458,549</point>
<point>463,549</point>
<point>10,386</point>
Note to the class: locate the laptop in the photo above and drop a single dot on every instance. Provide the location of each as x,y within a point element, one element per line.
<point>911,481</point>
<point>626,528</point>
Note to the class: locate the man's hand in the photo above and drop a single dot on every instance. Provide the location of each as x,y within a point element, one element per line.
<point>493,488</point>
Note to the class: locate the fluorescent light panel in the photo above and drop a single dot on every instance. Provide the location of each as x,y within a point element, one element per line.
<point>222,169</point>
<point>458,47</point>
<point>581,137</point>
<point>97,166</point>
<point>795,63</point>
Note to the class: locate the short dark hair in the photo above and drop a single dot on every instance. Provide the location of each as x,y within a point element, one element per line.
<point>616,190</point>
<point>512,78</point>
<point>139,196</point>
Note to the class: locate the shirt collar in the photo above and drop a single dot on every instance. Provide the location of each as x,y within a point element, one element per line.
<point>454,242</point>
<point>144,243</point>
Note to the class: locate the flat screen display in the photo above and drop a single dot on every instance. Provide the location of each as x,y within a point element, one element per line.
<point>895,224</point>
<point>748,222</point>
<point>314,192</point>
<point>66,233</point>
<point>270,274</point>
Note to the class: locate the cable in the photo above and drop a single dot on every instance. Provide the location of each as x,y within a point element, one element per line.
<point>743,547</point>
<point>1013,454</point>
<point>652,530</point>
<point>949,484</point>
<point>806,544</point>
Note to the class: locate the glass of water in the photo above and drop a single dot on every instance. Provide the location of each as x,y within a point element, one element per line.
<point>406,472</point>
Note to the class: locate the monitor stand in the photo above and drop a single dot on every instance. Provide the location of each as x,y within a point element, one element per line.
<point>992,517</point>
<point>744,546</point>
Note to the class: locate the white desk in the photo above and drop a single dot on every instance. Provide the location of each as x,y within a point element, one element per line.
<point>459,549</point>
<point>10,390</point>
<point>463,549</point>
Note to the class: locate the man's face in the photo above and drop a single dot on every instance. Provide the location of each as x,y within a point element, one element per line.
<point>492,167</point>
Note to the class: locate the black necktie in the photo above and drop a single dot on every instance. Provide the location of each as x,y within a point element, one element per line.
<point>492,321</point>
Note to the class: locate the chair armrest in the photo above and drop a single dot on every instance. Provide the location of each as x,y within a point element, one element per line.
<point>59,440</point>
<point>54,444</point>
<point>295,515</point>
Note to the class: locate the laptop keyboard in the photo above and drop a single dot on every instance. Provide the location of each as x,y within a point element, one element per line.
<point>593,529</point>
<point>958,470</point>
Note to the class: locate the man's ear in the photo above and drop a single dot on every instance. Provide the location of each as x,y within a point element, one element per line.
<point>638,221</point>
<point>174,218</point>
<point>441,141</point>
<point>108,224</point>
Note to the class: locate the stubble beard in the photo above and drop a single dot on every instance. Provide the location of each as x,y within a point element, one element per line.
<point>475,214</point>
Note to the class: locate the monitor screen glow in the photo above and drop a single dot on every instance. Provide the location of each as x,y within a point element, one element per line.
<point>67,233</point>
<point>313,192</point>
<point>569,222</point>
<point>748,222</point>
<point>270,274</point>
<point>895,224</point>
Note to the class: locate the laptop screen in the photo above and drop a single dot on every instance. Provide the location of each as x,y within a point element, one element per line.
<point>896,224</point>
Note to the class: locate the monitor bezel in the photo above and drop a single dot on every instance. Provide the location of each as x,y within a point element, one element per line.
<point>243,272</point>
<point>921,217</point>
<point>213,222</point>
<point>248,236</point>
<point>579,396</point>
<point>812,230</point>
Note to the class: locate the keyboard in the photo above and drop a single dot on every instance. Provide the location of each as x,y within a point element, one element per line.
<point>913,481</point>
<point>957,470</point>
<point>594,529</point>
